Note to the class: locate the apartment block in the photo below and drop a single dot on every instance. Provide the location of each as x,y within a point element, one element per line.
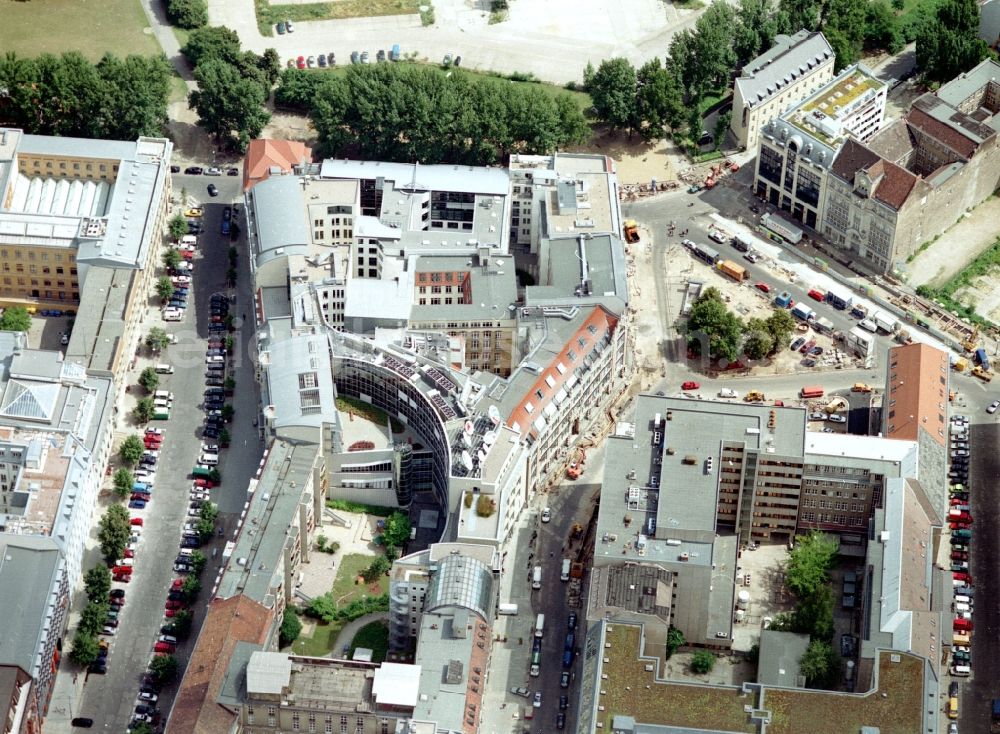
<point>797,148</point>
<point>791,70</point>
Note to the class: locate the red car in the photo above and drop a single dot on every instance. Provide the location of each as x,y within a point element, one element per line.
<point>164,647</point>
<point>123,577</point>
<point>122,570</point>
<point>959,556</point>
<point>207,483</point>
<point>178,583</point>
<point>962,576</point>
<point>129,553</point>
<point>817,295</point>
<point>300,62</point>
<point>958,501</point>
<point>135,521</point>
<point>804,349</point>
<point>153,445</point>
<point>959,517</point>
<point>762,287</point>
<point>173,604</point>
<point>962,624</point>
<point>690,385</point>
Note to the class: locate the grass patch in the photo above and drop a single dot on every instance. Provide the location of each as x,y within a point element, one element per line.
<point>348,506</point>
<point>984,263</point>
<point>268,15</point>
<point>374,636</point>
<point>93,29</point>
<point>895,708</point>
<point>369,412</point>
<point>178,89</point>
<point>345,590</point>
<point>321,641</point>
<point>427,16</point>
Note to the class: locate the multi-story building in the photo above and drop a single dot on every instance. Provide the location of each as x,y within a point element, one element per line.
<point>296,693</point>
<point>781,77</point>
<point>34,608</point>
<point>797,148</point>
<point>910,182</point>
<point>68,204</point>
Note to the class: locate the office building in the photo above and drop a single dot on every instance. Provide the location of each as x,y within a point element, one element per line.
<point>781,77</point>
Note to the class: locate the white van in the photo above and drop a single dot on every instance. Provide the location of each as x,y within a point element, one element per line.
<point>162,403</point>
<point>189,240</point>
<point>209,459</point>
<point>963,599</point>
<point>961,671</point>
<point>163,369</point>
<point>868,324</point>
<point>173,314</point>
<point>564,575</point>
<point>536,578</point>
<point>215,359</point>
<point>163,395</point>
<point>961,608</point>
<point>728,392</point>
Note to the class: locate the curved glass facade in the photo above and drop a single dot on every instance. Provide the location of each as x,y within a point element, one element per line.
<point>402,473</point>
<point>463,582</point>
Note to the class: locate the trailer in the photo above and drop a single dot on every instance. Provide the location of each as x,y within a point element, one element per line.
<point>734,271</point>
<point>741,244</point>
<point>885,322</point>
<point>782,228</point>
<point>982,359</point>
<point>839,299</point>
<point>783,299</point>
<point>860,342</point>
<point>811,391</point>
<point>823,325</point>
<point>803,312</point>
<point>706,253</point>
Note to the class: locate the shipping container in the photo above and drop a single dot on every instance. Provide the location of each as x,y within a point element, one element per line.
<point>783,299</point>
<point>734,271</point>
<point>813,391</point>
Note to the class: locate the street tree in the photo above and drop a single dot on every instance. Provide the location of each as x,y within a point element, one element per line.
<point>149,380</point>
<point>130,450</point>
<point>164,288</point>
<point>780,325</point>
<point>198,561</point>
<point>702,662</point>
<point>396,530</point>
<point>818,664</point>
<point>178,226</point>
<point>171,258</point>
<point>227,412</point>
<point>92,617</point>
<point>15,318</point>
<point>948,42</point>
<point>180,624</point>
<point>721,125</point>
<point>123,479</point>
<point>97,583</point>
<point>191,586</point>
<point>113,532</point>
<point>612,89</point>
<point>188,14</point>
<point>157,339</point>
<point>291,627</point>
<point>164,669</point>
<point>810,562</point>
<point>144,410</point>
<point>85,648</point>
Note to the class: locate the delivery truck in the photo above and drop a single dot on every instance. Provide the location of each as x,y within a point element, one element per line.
<point>734,271</point>
<point>982,359</point>
<point>885,322</point>
<point>802,311</point>
<point>839,298</point>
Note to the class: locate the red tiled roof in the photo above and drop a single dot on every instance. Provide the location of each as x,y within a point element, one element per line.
<point>948,136</point>
<point>918,392</point>
<point>895,186</point>
<point>228,622</point>
<point>551,380</point>
<point>263,155</point>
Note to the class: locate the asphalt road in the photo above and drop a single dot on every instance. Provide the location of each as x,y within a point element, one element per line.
<point>110,699</point>
<point>984,467</point>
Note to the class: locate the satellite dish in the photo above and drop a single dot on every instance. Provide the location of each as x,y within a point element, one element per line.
<point>467,460</point>
<point>469,428</point>
<point>466,441</point>
<point>489,438</point>
<point>494,414</point>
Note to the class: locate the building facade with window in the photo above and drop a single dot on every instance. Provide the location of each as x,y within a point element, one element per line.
<point>781,77</point>
<point>797,149</point>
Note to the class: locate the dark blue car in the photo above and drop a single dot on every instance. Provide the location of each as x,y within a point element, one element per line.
<point>137,504</point>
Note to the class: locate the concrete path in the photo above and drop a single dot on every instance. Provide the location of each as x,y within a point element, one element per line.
<point>351,628</point>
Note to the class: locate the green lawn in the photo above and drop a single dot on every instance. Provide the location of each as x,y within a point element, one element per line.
<point>92,27</point>
<point>345,590</point>
<point>367,411</point>
<point>269,14</point>
<point>374,636</point>
<point>321,641</point>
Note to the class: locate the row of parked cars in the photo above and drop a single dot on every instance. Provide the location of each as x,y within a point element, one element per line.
<point>960,523</point>
<point>181,275</point>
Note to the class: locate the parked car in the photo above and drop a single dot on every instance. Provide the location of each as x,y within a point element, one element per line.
<point>213,190</point>
<point>194,170</point>
<point>690,385</point>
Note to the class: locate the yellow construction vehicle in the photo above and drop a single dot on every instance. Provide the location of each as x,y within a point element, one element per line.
<point>970,344</point>
<point>631,230</point>
<point>754,396</point>
<point>984,375</point>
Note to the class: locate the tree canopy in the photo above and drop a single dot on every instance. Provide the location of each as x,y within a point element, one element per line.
<point>67,95</point>
<point>409,112</point>
<point>948,43</point>
<point>113,532</point>
<point>188,13</point>
<point>131,450</point>
<point>613,90</point>
<point>810,562</point>
<point>712,322</point>
<point>15,318</point>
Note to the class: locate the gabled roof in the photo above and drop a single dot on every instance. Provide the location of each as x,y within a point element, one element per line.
<point>791,58</point>
<point>892,183</point>
<point>264,155</point>
<point>227,623</point>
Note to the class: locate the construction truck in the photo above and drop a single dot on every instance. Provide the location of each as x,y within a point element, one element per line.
<point>576,532</point>
<point>754,396</point>
<point>575,468</point>
<point>631,230</point>
<point>982,374</point>
<point>970,344</point>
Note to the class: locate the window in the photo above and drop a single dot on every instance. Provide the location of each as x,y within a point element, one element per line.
<point>308,379</point>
